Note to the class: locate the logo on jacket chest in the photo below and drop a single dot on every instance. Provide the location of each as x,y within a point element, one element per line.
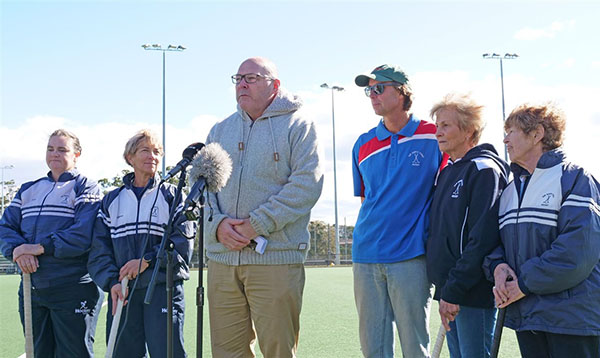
<point>416,157</point>
<point>155,212</point>
<point>457,187</point>
<point>546,198</point>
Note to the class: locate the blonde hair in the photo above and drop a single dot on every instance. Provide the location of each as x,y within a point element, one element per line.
<point>65,133</point>
<point>140,137</point>
<point>467,111</point>
<point>551,118</point>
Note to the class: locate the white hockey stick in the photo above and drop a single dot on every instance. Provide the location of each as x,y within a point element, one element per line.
<point>114,328</point>
<point>27,314</point>
<point>439,342</point>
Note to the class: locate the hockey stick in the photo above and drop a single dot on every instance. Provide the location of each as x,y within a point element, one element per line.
<point>498,329</point>
<point>114,328</point>
<point>498,333</point>
<point>27,314</point>
<point>439,342</point>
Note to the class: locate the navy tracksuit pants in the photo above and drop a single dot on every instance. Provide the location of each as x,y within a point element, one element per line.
<point>63,319</point>
<point>147,324</point>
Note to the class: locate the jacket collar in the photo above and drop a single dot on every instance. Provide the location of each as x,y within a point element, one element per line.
<point>66,176</point>
<point>129,178</point>
<point>547,160</point>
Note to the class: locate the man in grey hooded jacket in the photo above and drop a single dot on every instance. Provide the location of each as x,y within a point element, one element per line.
<point>275,182</point>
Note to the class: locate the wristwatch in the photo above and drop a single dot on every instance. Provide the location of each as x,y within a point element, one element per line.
<point>147,258</point>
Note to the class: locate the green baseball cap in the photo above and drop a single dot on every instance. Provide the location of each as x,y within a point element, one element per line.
<point>383,73</point>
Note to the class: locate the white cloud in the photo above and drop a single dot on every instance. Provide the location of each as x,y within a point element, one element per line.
<point>530,34</point>
<point>569,62</point>
<point>103,143</point>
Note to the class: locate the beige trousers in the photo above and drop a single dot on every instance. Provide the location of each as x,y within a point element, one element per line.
<point>252,301</point>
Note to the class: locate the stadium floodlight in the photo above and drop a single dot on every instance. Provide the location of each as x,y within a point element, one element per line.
<point>158,47</point>
<point>335,204</point>
<point>507,56</point>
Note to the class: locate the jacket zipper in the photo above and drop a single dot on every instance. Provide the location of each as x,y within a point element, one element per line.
<point>38,218</point>
<point>40,211</point>
<point>237,203</point>
<point>137,221</point>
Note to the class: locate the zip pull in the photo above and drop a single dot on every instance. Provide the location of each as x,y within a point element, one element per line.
<point>276,156</point>
<point>241,146</point>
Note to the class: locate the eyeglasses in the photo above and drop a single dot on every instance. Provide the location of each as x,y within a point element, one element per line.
<point>249,77</point>
<point>379,88</point>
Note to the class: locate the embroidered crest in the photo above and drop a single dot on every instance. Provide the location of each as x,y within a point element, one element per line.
<point>547,197</point>
<point>416,155</point>
<point>64,199</point>
<point>457,187</point>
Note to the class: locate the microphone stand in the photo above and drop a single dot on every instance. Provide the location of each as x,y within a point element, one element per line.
<point>200,288</point>
<point>166,242</point>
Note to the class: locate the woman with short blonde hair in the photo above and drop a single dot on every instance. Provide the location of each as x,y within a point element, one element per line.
<point>127,237</point>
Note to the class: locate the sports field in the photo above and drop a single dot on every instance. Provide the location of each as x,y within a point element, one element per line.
<point>329,322</point>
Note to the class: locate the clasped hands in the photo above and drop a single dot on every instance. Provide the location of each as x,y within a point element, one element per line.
<point>235,234</point>
<point>506,289</point>
<point>25,255</point>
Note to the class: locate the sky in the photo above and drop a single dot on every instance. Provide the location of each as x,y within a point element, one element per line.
<point>80,66</point>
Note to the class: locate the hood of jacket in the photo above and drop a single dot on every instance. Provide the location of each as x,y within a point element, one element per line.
<point>283,103</point>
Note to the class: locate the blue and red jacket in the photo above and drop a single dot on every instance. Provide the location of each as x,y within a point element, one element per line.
<point>122,225</point>
<point>395,173</point>
<point>59,215</point>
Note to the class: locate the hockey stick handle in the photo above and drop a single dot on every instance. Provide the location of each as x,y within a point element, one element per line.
<point>439,342</point>
<point>114,328</point>
<point>27,314</point>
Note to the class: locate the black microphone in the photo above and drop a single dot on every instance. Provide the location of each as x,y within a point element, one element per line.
<point>211,169</point>
<point>188,156</point>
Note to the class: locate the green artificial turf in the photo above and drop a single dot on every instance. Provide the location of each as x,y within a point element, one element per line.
<point>328,328</point>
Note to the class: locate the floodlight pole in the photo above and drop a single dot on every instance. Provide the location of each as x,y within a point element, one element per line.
<point>158,47</point>
<point>495,56</point>
<point>337,229</point>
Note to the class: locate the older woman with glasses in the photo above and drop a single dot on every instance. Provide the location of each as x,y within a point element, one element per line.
<point>547,269</point>
<point>47,231</point>
<point>126,241</point>
<point>464,227</point>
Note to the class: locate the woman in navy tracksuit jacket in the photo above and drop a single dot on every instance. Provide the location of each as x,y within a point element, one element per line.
<point>550,230</point>
<point>128,217</point>
<point>464,227</point>
<point>47,231</point>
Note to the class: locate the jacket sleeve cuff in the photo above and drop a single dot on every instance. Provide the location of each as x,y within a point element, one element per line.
<point>48,245</point>
<point>493,266</point>
<point>450,297</point>
<point>258,226</point>
<point>522,287</point>
<point>113,282</point>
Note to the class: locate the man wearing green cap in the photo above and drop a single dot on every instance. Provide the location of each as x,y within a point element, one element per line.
<point>394,169</point>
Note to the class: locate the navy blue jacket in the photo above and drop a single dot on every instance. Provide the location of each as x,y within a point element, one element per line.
<point>464,226</point>
<point>59,215</point>
<point>123,224</point>
<point>551,238</point>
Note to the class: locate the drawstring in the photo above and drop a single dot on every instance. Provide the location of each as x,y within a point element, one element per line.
<point>241,142</point>
<point>242,147</point>
<point>275,153</point>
